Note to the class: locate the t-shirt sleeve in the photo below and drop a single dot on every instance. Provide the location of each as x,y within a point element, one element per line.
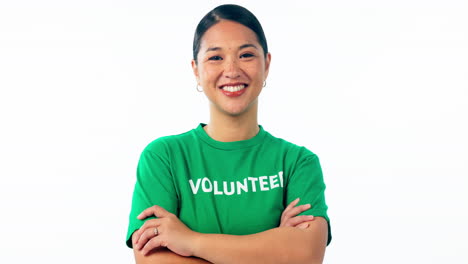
<point>154,186</point>
<point>306,182</point>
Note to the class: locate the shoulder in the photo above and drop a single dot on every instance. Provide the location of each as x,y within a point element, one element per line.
<point>164,144</point>
<point>291,149</point>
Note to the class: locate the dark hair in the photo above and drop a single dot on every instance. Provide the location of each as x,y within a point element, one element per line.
<point>234,13</point>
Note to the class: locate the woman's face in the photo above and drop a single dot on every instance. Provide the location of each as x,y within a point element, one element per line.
<point>231,67</point>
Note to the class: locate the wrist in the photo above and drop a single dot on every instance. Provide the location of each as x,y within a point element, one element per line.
<point>197,242</point>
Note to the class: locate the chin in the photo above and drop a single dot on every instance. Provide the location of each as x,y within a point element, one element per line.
<point>236,111</point>
<point>232,112</point>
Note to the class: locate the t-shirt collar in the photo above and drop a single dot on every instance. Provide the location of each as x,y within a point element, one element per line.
<point>257,139</point>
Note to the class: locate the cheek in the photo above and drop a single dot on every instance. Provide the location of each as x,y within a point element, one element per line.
<point>256,71</point>
<point>209,74</point>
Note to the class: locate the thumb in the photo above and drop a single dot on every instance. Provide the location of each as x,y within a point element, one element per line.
<point>155,210</point>
<point>303,225</point>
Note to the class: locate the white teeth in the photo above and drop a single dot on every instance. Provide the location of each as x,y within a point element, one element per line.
<point>234,88</point>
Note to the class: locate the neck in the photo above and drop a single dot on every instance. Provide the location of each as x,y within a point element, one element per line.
<point>227,128</point>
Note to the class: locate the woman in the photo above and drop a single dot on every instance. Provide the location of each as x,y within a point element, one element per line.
<point>225,192</point>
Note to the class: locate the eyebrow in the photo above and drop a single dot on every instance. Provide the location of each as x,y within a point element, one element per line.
<point>241,47</point>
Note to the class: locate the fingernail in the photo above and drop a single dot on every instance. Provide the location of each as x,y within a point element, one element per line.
<point>308,205</point>
<point>310,216</point>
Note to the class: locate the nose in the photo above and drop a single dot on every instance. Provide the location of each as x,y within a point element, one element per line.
<point>232,69</point>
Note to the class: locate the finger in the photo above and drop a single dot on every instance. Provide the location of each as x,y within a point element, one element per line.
<point>149,224</point>
<point>142,239</point>
<point>155,210</point>
<point>152,244</point>
<point>145,236</point>
<point>298,220</point>
<point>297,210</point>
<point>289,207</point>
<point>136,237</point>
<point>303,225</point>
<point>292,204</point>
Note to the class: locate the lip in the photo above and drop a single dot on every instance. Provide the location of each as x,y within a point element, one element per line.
<point>233,84</point>
<point>233,94</point>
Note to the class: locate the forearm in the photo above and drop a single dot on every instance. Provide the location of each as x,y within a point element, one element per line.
<point>165,256</point>
<point>278,245</point>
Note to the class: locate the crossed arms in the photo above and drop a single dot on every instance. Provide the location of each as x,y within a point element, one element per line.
<point>299,239</point>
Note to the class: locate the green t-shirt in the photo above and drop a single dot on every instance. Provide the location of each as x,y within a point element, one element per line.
<point>236,188</point>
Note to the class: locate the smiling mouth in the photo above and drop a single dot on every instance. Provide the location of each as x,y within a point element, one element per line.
<point>233,88</point>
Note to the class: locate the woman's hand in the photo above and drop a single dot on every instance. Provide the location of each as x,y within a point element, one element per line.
<point>165,231</point>
<point>177,237</point>
<point>290,217</point>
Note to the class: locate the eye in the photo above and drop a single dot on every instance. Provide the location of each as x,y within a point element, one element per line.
<point>215,58</point>
<point>247,55</point>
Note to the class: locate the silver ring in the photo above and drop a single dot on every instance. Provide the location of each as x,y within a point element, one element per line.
<point>156,232</point>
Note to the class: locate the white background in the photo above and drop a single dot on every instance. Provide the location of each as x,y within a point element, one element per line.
<point>378,89</point>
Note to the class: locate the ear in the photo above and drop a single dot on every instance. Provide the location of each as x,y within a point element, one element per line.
<point>267,64</point>
<point>195,70</point>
